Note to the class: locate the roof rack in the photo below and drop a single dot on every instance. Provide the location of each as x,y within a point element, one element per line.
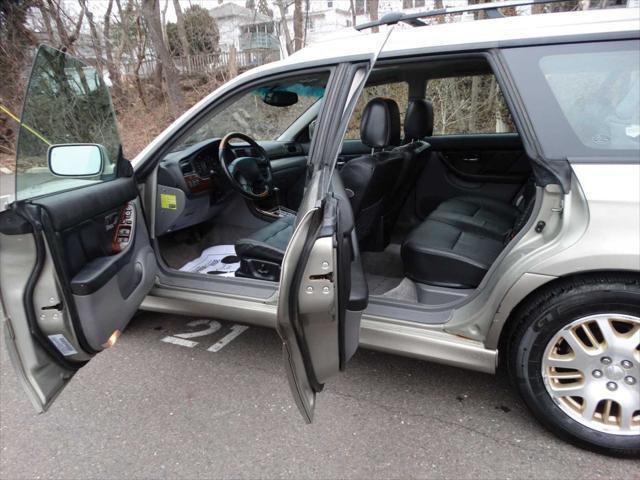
<point>492,10</point>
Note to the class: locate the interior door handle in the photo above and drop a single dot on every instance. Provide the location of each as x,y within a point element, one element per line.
<point>471,159</point>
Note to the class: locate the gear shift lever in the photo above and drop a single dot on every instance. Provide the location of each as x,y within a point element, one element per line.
<point>276,192</point>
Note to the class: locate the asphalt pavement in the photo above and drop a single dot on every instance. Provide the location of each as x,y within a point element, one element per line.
<point>149,408</point>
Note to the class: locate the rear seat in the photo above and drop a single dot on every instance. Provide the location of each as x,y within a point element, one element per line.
<point>460,240</point>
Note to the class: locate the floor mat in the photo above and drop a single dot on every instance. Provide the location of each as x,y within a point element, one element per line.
<point>405,290</point>
<point>217,260</point>
<point>379,285</point>
<point>386,263</point>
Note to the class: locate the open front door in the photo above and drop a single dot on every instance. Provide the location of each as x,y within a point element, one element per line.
<point>323,291</point>
<point>75,255</point>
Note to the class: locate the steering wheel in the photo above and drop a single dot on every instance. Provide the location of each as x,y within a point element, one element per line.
<point>251,176</point>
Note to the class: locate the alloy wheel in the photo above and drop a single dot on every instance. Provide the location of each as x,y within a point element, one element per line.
<point>591,370</point>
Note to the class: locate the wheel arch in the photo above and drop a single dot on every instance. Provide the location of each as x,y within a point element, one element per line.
<point>503,328</point>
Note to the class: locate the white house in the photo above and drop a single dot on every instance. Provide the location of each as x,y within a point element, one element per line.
<point>321,19</point>
<point>251,33</point>
<point>329,19</point>
<point>249,30</point>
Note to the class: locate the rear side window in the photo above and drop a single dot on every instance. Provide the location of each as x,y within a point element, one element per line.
<point>468,104</point>
<point>584,99</point>
<point>398,91</point>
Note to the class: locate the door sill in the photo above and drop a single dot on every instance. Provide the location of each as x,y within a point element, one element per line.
<point>381,333</point>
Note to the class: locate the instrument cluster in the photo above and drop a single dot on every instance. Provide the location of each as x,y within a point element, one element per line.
<point>199,170</point>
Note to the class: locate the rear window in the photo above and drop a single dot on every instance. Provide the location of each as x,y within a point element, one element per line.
<point>468,104</point>
<point>584,99</point>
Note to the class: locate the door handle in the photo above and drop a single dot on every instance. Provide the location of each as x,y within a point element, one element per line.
<point>471,159</point>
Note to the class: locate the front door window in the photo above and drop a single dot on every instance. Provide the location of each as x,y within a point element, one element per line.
<point>67,103</point>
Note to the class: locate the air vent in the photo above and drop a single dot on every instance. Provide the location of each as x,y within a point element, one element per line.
<point>186,167</point>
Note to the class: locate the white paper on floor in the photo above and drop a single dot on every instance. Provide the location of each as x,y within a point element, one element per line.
<point>210,261</point>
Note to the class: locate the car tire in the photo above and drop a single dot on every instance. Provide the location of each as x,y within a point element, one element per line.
<point>545,329</point>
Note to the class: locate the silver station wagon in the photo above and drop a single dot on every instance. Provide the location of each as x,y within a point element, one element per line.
<point>467,193</point>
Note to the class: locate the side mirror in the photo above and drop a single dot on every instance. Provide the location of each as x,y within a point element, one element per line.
<point>76,159</point>
<point>280,98</point>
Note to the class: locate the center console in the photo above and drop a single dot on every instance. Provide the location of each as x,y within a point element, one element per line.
<point>278,212</point>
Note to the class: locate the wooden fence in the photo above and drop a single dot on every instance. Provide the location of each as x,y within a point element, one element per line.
<point>207,64</point>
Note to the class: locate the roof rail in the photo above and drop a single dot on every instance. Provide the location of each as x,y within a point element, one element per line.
<point>491,9</point>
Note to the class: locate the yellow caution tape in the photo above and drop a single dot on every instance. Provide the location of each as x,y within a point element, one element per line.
<point>31,130</point>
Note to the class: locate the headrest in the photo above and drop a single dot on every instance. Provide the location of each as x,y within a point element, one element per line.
<point>380,123</point>
<point>418,121</point>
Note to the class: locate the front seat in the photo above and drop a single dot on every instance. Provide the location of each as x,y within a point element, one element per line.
<point>369,179</point>
<point>261,253</point>
<point>418,124</point>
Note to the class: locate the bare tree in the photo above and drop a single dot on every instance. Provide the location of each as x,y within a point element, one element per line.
<point>352,11</point>
<point>112,68</point>
<point>282,7</point>
<point>67,29</point>
<point>46,20</point>
<point>133,41</point>
<point>95,35</point>
<point>16,41</point>
<point>151,13</point>
<point>163,19</point>
<point>297,25</point>
<point>372,6</point>
<point>182,31</point>
<point>306,22</point>
<point>102,44</point>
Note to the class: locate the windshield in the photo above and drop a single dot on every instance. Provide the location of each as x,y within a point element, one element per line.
<point>263,113</point>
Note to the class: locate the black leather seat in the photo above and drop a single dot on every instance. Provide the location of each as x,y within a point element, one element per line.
<point>261,253</point>
<point>369,179</point>
<point>418,124</point>
<point>461,239</point>
<point>491,216</point>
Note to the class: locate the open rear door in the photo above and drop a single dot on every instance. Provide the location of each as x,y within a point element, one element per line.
<point>75,255</point>
<point>323,291</point>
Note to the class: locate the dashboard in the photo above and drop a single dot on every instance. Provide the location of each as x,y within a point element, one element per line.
<point>198,170</point>
<point>191,183</point>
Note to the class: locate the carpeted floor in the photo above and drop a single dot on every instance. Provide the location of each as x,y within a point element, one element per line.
<point>383,270</point>
<point>180,248</point>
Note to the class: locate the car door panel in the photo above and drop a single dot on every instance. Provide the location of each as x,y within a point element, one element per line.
<point>322,296</point>
<point>75,206</point>
<point>319,315</point>
<point>108,290</point>
<point>42,370</point>
<point>479,141</point>
<point>491,165</point>
<point>354,290</point>
<point>80,293</point>
<point>74,248</point>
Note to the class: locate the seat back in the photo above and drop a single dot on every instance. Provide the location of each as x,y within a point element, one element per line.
<point>369,179</point>
<point>418,124</point>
